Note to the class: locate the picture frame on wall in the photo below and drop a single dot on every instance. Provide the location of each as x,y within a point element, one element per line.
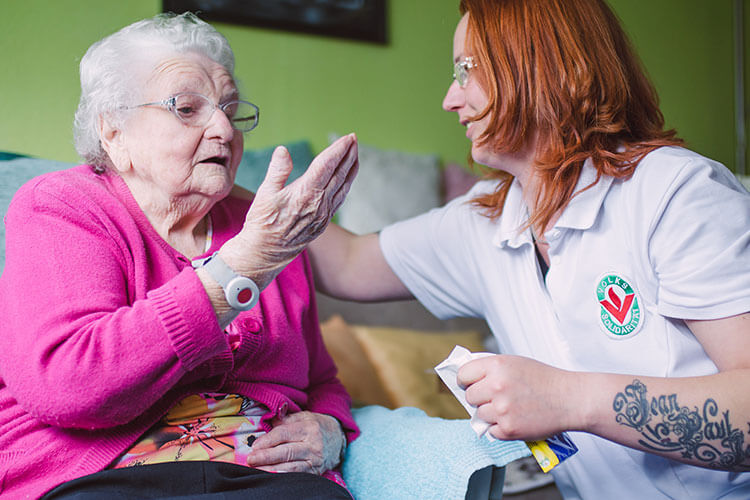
<point>363,20</point>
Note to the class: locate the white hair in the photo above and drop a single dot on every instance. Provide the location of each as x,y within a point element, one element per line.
<point>107,70</point>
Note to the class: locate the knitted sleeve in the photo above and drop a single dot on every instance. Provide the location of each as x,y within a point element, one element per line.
<point>85,342</point>
<point>326,394</point>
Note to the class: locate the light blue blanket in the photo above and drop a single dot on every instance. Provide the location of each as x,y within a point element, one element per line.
<point>405,454</point>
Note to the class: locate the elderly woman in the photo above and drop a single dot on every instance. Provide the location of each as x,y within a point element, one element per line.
<point>135,332</point>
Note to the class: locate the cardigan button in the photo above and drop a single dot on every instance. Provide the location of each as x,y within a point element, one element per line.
<point>283,407</point>
<point>253,326</point>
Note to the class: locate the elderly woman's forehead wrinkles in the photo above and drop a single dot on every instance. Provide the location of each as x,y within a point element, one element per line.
<point>180,74</point>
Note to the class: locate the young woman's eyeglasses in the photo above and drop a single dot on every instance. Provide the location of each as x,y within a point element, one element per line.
<point>461,70</point>
<point>195,110</point>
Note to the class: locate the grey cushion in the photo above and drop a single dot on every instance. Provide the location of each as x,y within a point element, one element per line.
<point>390,186</point>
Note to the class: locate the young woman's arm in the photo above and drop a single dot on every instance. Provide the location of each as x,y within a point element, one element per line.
<point>702,421</point>
<point>351,267</point>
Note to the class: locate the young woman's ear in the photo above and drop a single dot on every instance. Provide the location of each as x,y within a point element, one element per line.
<point>113,142</point>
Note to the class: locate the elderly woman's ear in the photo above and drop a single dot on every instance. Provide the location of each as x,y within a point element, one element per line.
<point>113,142</point>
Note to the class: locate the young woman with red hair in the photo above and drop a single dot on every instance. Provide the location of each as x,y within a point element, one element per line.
<point>611,264</point>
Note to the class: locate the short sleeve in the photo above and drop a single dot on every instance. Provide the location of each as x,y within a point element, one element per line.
<point>699,244</point>
<point>431,254</point>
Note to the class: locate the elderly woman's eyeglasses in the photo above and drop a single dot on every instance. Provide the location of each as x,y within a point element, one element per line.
<point>461,70</point>
<point>196,110</point>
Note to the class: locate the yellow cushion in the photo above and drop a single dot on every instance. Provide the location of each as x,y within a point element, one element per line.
<point>394,367</point>
<point>355,370</point>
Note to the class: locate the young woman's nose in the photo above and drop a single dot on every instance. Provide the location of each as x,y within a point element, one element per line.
<point>454,98</point>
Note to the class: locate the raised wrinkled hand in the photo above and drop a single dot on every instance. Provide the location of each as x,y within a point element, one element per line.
<point>300,442</point>
<point>283,220</point>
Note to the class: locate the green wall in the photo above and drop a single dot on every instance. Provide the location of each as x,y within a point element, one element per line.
<point>688,49</point>
<point>310,86</point>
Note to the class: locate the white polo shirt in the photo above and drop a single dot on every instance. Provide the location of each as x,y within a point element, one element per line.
<point>629,260</point>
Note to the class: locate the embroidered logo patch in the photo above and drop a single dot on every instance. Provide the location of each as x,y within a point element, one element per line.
<point>620,312</point>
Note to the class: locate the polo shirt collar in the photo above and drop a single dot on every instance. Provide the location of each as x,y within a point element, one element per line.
<point>514,216</point>
<point>580,213</point>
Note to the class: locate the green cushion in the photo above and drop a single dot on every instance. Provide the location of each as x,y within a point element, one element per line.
<point>254,164</point>
<point>4,155</point>
<point>14,173</point>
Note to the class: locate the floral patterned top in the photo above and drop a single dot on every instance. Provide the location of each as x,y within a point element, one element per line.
<point>209,426</point>
<point>200,427</point>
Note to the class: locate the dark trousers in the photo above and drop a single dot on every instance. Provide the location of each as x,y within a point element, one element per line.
<point>198,480</point>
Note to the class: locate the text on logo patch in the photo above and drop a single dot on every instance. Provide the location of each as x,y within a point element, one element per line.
<point>620,310</point>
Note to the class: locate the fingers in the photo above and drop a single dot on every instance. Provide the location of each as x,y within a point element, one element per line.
<point>279,169</point>
<point>334,162</point>
<point>293,445</point>
<point>472,372</point>
<point>279,454</point>
<point>303,441</point>
<point>349,162</point>
<point>482,379</point>
<point>297,466</point>
<point>275,437</point>
<point>287,457</point>
<point>343,189</point>
<point>283,219</point>
<point>319,192</point>
<point>506,425</point>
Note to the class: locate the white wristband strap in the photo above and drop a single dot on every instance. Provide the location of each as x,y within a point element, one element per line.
<point>240,292</point>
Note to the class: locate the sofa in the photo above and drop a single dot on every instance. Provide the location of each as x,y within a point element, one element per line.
<point>385,352</point>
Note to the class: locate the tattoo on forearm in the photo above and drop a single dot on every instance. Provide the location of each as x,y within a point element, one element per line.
<point>702,434</point>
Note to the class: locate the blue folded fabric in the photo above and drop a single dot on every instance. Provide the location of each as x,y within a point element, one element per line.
<point>405,453</point>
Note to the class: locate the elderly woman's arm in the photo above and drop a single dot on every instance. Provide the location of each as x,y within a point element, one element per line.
<point>71,322</point>
<point>283,220</point>
<point>345,265</point>
<point>81,333</point>
<point>312,440</point>
<point>279,225</point>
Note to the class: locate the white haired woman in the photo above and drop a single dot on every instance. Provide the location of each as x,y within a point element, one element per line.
<point>152,318</point>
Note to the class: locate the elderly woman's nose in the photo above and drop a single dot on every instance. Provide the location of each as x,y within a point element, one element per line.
<point>220,124</point>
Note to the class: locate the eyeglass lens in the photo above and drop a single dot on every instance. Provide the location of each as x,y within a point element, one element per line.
<point>460,73</point>
<point>196,110</point>
<point>461,70</point>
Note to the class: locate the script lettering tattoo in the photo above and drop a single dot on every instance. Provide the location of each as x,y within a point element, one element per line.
<point>703,434</point>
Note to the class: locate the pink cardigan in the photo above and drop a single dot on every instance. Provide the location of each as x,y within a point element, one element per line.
<point>105,326</point>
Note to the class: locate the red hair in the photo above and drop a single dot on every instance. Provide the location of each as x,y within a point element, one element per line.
<point>562,72</point>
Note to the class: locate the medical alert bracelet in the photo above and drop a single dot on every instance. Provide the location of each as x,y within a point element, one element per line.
<point>240,292</point>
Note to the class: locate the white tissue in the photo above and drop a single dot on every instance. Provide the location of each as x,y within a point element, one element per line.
<point>447,370</point>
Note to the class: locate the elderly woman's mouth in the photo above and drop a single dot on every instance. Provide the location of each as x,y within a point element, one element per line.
<point>221,160</point>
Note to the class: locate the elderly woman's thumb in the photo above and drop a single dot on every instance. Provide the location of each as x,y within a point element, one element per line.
<point>279,168</point>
